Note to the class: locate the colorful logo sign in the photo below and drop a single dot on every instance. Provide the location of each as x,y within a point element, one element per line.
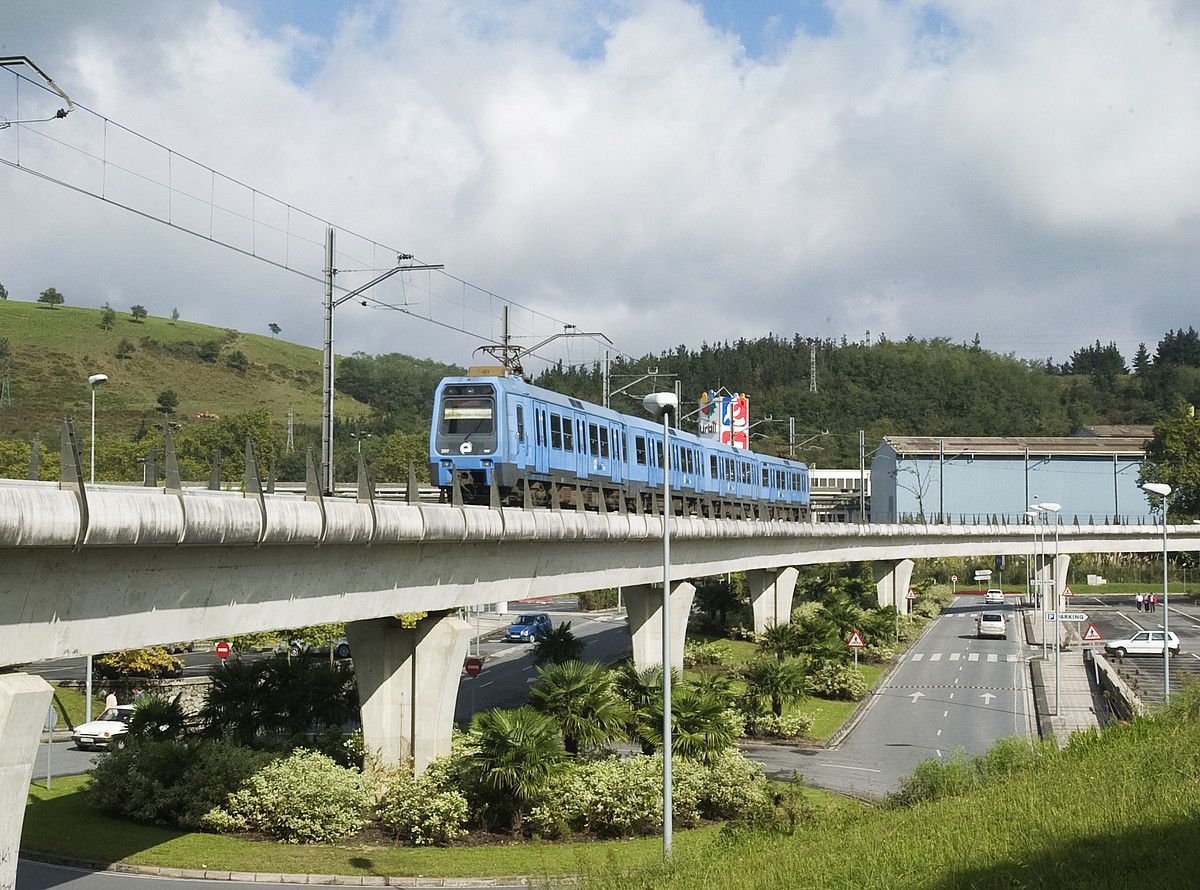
<point>725,419</point>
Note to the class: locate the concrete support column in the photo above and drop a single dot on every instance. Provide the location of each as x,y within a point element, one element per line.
<point>771,593</point>
<point>892,578</point>
<point>643,604</point>
<point>408,685</point>
<point>24,703</point>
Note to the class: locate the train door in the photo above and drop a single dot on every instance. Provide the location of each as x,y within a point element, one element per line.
<point>617,456</point>
<point>541,453</point>
<point>583,459</point>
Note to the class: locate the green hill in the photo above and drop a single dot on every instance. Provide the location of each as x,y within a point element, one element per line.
<point>54,351</point>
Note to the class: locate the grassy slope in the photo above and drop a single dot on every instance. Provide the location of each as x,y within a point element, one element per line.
<point>54,351</point>
<point>1116,811</point>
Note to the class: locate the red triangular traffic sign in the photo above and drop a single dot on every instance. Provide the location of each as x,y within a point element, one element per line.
<point>856,641</point>
<point>1091,635</point>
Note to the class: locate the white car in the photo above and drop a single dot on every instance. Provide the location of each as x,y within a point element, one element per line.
<point>991,624</point>
<point>993,596</point>
<point>108,729</point>
<point>1146,642</point>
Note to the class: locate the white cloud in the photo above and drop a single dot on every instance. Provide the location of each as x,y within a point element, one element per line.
<point>1007,170</point>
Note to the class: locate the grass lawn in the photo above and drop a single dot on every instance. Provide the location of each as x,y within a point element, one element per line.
<point>829,715</point>
<point>60,822</point>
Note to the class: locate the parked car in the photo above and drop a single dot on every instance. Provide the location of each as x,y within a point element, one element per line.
<point>993,596</point>
<point>528,628</point>
<point>108,729</point>
<point>991,624</point>
<point>1146,642</point>
<point>296,648</point>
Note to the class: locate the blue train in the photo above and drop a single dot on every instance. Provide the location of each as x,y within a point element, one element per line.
<point>544,449</point>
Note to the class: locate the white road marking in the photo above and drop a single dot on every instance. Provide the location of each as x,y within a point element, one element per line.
<point>945,713</point>
<point>918,656</point>
<point>1185,616</point>
<point>954,656</point>
<point>939,753</point>
<point>1130,620</point>
<point>939,732</point>
<point>987,698</point>
<point>952,695</point>
<point>993,658</point>
<point>915,695</point>
<point>488,683</point>
<point>936,656</point>
<point>956,679</point>
<point>974,656</point>
<point>1011,658</point>
<point>860,769</point>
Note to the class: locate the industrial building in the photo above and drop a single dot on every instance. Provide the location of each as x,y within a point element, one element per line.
<point>1094,476</point>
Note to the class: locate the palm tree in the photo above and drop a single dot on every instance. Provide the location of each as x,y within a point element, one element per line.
<point>558,646</point>
<point>643,692</point>
<point>699,730</point>
<point>157,717</point>
<point>782,640</point>
<point>843,613</point>
<point>580,698</point>
<point>516,754</point>
<point>238,701</point>
<point>780,681</point>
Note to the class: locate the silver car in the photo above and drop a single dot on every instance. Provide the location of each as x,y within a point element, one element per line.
<point>991,624</point>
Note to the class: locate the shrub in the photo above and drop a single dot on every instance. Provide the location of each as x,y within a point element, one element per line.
<point>305,798</point>
<point>732,786</point>
<point>830,679</point>
<point>417,811</point>
<point>784,810</point>
<point>173,783</point>
<point>695,654</point>
<point>794,726</point>
<point>594,600</point>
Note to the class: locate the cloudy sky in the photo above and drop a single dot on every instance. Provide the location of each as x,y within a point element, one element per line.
<point>663,171</point>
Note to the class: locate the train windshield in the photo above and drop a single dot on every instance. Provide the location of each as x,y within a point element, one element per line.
<point>465,417</point>
<point>468,414</point>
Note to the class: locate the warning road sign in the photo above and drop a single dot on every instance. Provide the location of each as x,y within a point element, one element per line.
<point>856,641</point>
<point>1091,635</point>
<point>911,595</point>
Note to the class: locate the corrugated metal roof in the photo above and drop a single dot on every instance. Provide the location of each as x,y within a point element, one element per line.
<point>1016,445</point>
<point>1127,430</point>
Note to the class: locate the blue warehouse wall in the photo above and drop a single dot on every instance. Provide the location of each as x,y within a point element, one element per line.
<point>976,486</point>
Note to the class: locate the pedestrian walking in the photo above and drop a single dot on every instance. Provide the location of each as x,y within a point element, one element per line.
<point>1154,602</point>
<point>1139,602</point>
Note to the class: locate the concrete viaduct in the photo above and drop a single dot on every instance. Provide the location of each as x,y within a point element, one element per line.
<point>96,568</point>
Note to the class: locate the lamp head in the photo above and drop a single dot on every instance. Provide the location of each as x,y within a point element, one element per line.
<point>1159,488</point>
<point>660,404</point>
<point>1050,507</point>
<point>96,379</point>
<point>1031,513</point>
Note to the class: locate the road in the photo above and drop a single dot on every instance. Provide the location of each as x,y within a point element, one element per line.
<point>951,690</point>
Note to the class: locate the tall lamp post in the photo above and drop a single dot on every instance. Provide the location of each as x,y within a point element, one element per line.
<point>1163,491</point>
<point>1050,507</point>
<point>93,381</point>
<point>664,405</point>
<point>1040,554</point>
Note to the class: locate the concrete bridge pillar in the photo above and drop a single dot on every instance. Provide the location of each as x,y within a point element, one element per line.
<point>771,596</point>
<point>892,577</point>
<point>24,703</point>
<point>643,603</point>
<point>408,685</point>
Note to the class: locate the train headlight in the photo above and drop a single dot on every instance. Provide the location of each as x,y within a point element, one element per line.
<point>447,464</point>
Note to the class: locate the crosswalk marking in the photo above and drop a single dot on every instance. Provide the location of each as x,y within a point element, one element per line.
<point>974,656</point>
<point>936,656</point>
<point>918,656</point>
<point>954,656</point>
<point>1011,658</point>
<point>992,658</point>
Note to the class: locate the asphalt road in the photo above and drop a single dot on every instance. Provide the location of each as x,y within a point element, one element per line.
<point>951,690</point>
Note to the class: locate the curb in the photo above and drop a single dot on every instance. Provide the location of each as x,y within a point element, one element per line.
<point>201,874</point>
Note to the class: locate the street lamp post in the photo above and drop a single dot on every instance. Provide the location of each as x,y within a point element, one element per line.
<point>1040,556</point>
<point>93,381</point>
<point>664,405</point>
<point>1164,491</point>
<point>1055,509</point>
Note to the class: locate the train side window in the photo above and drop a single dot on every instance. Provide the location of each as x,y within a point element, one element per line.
<point>712,466</point>
<point>766,477</point>
<point>556,437</point>
<point>520,423</point>
<point>568,435</point>
<point>604,441</point>
<point>593,440</point>
<point>658,452</point>
<point>639,450</point>
<point>582,437</point>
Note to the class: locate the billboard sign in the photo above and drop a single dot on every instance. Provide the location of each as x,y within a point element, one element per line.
<point>725,419</point>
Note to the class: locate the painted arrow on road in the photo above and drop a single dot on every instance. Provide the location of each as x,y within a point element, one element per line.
<point>916,695</point>
<point>987,698</point>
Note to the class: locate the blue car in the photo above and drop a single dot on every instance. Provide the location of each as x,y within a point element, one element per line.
<point>529,628</point>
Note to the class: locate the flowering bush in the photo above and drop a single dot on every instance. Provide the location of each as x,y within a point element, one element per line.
<point>829,679</point>
<point>304,798</point>
<point>417,811</point>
